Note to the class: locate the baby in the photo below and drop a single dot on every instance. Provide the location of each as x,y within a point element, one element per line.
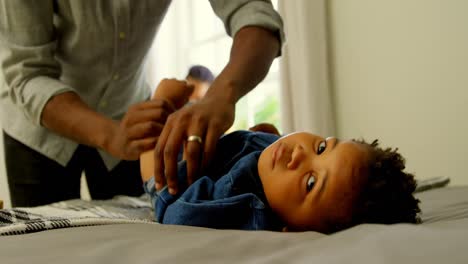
<point>298,182</point>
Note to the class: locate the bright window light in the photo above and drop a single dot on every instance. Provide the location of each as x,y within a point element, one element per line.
<point>192,34</point>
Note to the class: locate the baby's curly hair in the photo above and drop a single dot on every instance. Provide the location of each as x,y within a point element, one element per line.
<point>387,195</point>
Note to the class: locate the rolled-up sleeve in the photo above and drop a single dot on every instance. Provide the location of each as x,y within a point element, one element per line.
<point>27,46</point>
<point>241,13</point>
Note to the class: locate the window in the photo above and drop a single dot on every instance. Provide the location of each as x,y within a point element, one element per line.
<point>192,34</point>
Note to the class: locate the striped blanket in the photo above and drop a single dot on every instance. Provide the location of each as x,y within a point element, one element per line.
<point>119,210</point>
<point>73,213</point>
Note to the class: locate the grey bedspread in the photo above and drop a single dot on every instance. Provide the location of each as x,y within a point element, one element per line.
<point>442,238</point>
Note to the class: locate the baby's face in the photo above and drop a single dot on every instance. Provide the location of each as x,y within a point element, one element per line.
<point>310,181</point>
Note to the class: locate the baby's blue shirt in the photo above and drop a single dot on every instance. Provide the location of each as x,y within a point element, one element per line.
<point>229,195</point>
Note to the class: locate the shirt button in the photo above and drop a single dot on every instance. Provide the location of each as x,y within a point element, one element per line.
<point>103,104</point>
<point>116,77</point>
<point>122,35</point>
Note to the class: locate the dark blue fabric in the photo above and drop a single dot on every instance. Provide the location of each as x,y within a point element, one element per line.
<point>230,193</point>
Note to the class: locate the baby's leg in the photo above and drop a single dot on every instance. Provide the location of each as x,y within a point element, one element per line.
<point>147,159</point>
<point>147,165</point>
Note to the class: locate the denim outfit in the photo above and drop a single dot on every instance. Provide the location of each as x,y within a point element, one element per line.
<point>229,195</point>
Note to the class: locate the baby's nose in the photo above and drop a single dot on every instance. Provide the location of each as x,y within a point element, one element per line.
<point>297,156</point>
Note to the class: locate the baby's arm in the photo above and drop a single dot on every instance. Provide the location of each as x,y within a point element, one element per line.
<point>266,127</point>
<point>177,94</point>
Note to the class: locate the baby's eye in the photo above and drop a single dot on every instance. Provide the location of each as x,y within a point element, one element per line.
<point>321,148</point>
<point>310,182</point>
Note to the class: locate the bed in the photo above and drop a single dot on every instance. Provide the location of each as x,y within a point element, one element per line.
<point>441,238</point>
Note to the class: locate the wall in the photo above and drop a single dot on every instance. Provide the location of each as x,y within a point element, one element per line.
<point>4,195</point>
<point>400,74</point>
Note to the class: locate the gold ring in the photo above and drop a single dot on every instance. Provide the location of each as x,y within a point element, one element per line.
<point>195,138</point>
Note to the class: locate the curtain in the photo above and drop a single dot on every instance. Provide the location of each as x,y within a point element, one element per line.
<point>306,98</point>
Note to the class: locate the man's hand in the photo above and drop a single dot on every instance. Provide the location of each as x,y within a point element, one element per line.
<point>68,115</point>
<point>252,53</point>
<point>208,119</point>
<point>139,129</point>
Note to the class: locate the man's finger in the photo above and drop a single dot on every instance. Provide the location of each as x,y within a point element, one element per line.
<point>212,136</point>
<point>171,151</point>
<point>139,146</point>
<point>159,176</point>
<point>153,103</point>
<point>151,114</point>
<point>193,155</point>
<point>144,130</point>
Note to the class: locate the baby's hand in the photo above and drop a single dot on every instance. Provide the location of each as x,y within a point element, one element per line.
<point>175,91</point>
<point>265,127</point>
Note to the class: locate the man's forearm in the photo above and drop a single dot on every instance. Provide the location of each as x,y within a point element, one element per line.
<point>253,51</point>
<point>67,115</point>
